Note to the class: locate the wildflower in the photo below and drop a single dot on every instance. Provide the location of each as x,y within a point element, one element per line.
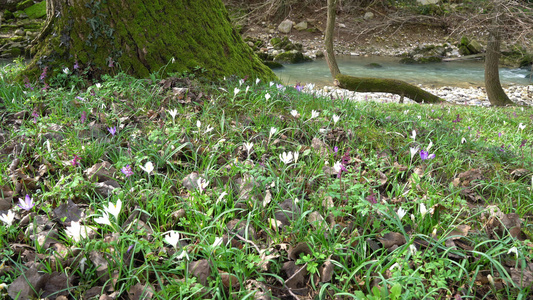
<point>127,171</point>
<point>310,86</point>
<point>202,184</point>
<point>241,82</point>
<point>335,150</point>
<point>110,64</point>
<point>521,126</point>
<point>35,116</point>
<point>335,119</point>
<point>76,66</point>
<point>257,80</point>
<point>337,166</point>
<point>43,74</point>
<point>457,119</point>
<point>499,134</point>
<point>77,231</point>
<point>430,145</point>
<point>217,242</point>
<point>198,124</point>
<point>209,129</point>
<point>296,154</point>
<point>463,140</point>
<point>513,250</point>
<point>423,210</point>
<point>267,96</point>
<point>236,91</point>
<point>76,160</point>
<point>294,113</point>
<point>248,146</point>
<point>523,143</point>
<point>104,219</point>
<point>413,135</point>
<point>46,86</point>
<point>221,196</point>
<point>148,167</point>
<point>412,249</point>
<point>112,130</point>
<point>271,83</point>
<point>280,86</point>
<point>273,131</point>
<point>401,213</point>
<point>173,113</point>
<point>286,157</point>
<point>27,203</point>
<point>314,114</point>
<point>299,87</point>
<point>27,83</point>
<point>8,219</point>
<point>371,197</point>
<point>414,150</point>
<point>98,85</point>
<point>66,70</point>
<point>247,89</point>
<point>172,238</point>
<point>83,117</point>
<point>114,209</point>
<point>425,155</point>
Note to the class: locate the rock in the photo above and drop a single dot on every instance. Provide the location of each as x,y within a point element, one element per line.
<point>368,15</point>
<point>22,5</point>
<point>37,10</point>
<point>19,32</point>
<point>319,54</point>
<point>475,47</point>
<point>292,57</point>
<point>426,2</point>
<point>373,66</point>
<point>285,26</point>
<point>9,5</point>
<point>273,64</point>
<point>341,25</point>
<point>301,26</point>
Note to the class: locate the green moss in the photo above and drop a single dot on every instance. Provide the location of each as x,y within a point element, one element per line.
<point>373,66</point>
<point>430,59</point>
<point>8,15</point>
<point>15,52</point>
<point>24,4</point>
<point>194,33</point>
<point>408,61</point>
<point>273,64</point>
<point>37,10</point>
<point>292,57</point>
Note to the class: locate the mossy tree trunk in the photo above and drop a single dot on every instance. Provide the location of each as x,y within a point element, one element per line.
<point>494,89</point>
<point>364,84</point>
<point>141,37</point>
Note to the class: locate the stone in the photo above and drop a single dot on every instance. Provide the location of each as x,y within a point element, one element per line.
<point>427,2</point>
<point>368,15</point>
<point>20,32</point>
<point>301,26</point>
<point>285,26</point>
<point>475,47</point>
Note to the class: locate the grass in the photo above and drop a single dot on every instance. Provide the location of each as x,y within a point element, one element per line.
<point>355,211</point>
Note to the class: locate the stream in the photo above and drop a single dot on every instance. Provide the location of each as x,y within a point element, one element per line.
<point>464,74</point>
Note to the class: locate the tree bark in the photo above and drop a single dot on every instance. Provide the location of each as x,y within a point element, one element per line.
<point>494,89</point>
<point>330,31</point>
<point>141,37</point>
<point>364,84</point>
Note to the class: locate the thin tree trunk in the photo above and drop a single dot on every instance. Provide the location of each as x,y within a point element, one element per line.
<point>494,89</point>
<point>330,31</point>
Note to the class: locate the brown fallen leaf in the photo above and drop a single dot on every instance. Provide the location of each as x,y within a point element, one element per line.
<point>391,239</point>
<point>201,269</point>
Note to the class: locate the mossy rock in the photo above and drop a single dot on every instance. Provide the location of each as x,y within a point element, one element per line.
<point>526,61</point>
<point>36,11</point>
<point>463,50</point>
<point>408,61</point>
<point>264,56</point>
<point>273,64</point>
<point>8,15</point>
<point>285,44</point>
<point>15,52</point>
<point>292,57</point>
<point>429,59</point>
<point>24,4</point>
<point>373,66</point>
<point>20,14</point>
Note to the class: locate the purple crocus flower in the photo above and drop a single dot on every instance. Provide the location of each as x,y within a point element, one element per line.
<point>35,115</point>
<point>299,87</point>
<point>76,66</point>
<point>335,150</point>
<point>127,171</point>
<point>112,130</point>
<point>76,160</point>
<point>27,203</point>
<point>425,155</point>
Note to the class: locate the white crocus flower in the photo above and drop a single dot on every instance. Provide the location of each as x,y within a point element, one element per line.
<point>221,196</point>
<point>248,146</point>
<point>66,70</point>
<point>337,166</point>
<point>77,231</point>
<point>8,218</point>
<point>286,157</point>
<point>267,96</point>
<point>148,167</point>
<point>314,114</point>
<point>173,113</point>
<point>513,250</point>
<point>413,135</point>
<point>414,151</point>
<point>236,91</point>
<point>217,242</point>
<point>202,184</point>
<point>273,131</point>
<point>114,209</point>
<point>463,140</point>
<point>247,89</point>
<point>257,80</point>
<point>296,154</point>
<point>241,82</point>
<point>401,213</point>
<point>172,238</point>
<point>430,145</point>
<point>271,83</point>
<point>412,249</point>
<point>198,124</point>
<point>335,119</point>
<point>294,113</point>
<point>104,219</point>
<point>521,126</point>
<point>98,85</point>
<point>423,210</point>
<point>209,129</point>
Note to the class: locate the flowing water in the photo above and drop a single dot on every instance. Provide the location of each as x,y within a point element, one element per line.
<point>454,73</point>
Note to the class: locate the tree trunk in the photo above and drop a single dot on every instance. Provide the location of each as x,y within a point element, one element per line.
<point>364,84</point>
<point>330,31</point>
<point>141,37</point>
<point>494,89</point>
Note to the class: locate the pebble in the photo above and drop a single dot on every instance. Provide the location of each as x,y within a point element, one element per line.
<point>475,96</point>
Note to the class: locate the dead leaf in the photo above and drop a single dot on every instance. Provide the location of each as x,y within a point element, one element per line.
<point>200,269</point>
<point>140,291</point>
<point>391,239</point>
<point>296,275</point>
<point>321,147</point>
<point>106,188</point>
<point>288,211</point>
<point>326,271</point>
<point>522,278</point>
<point>100,172</point>
<point>68,212</point>
<point>300,248</point>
